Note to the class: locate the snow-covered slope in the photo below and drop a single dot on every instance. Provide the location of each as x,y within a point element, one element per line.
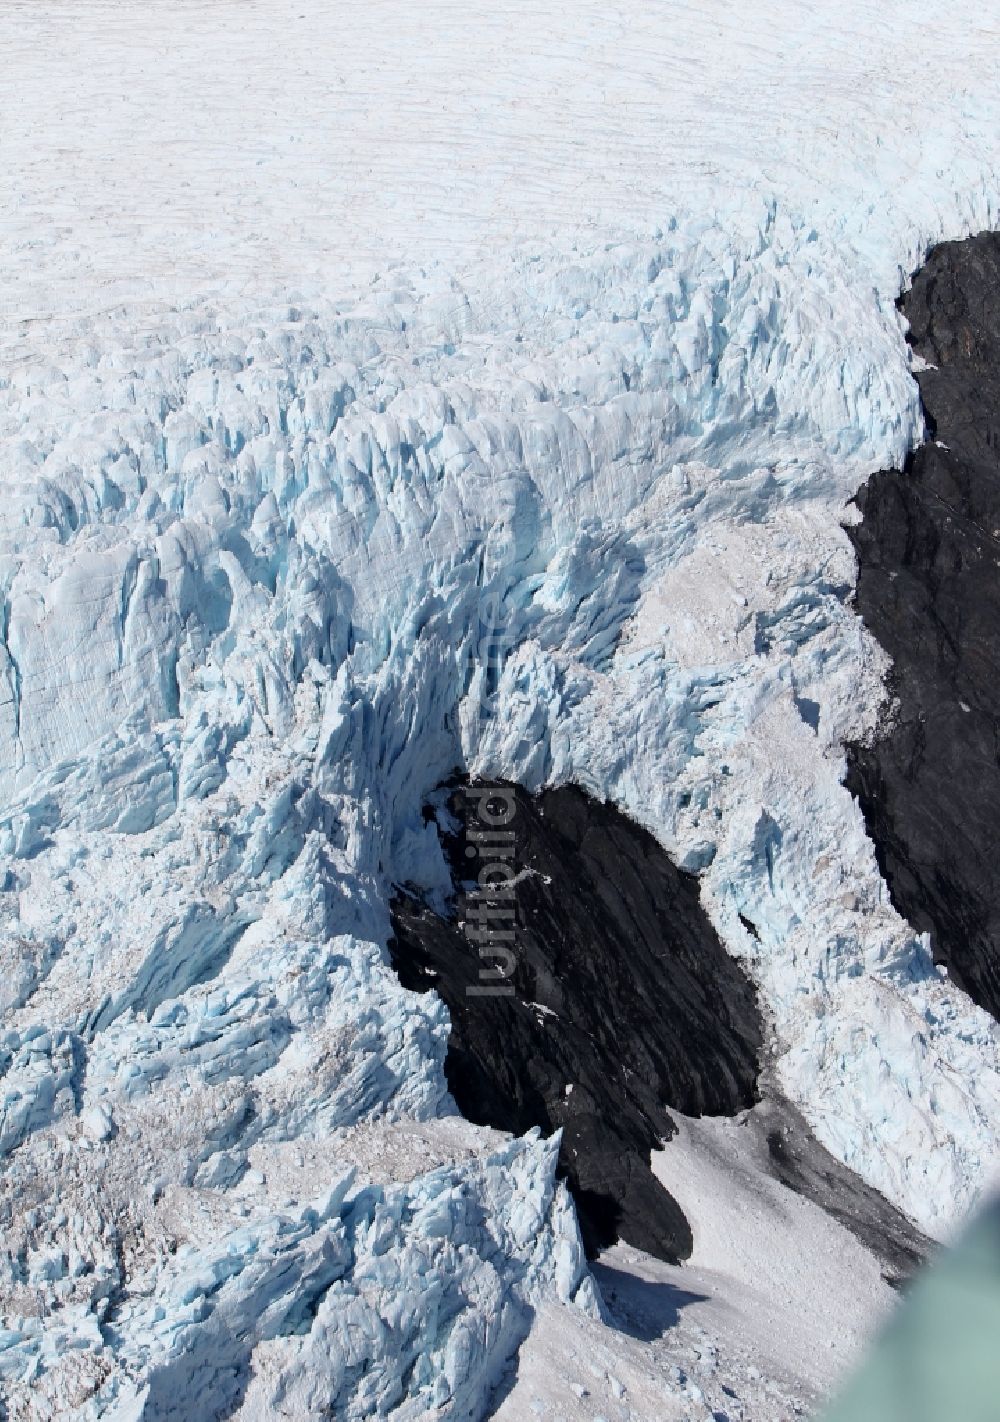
<point>160,148</point>
<point>771,1311</point>
<point>253,544</point>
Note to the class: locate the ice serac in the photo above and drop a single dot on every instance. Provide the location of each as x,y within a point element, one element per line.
<point>928,590</point>
<point>267,578</point>
<point>333,1301</point>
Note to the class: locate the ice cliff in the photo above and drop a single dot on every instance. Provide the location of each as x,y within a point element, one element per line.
<point>268,576</point>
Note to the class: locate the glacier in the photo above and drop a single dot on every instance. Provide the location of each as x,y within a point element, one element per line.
<point>248,570</point>
<point>273,564</point>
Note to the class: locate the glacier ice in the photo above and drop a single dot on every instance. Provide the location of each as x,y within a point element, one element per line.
<point>268,574</point>
<point>249,566</point>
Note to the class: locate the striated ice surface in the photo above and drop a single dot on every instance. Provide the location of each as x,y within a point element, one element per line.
<point>270,570</point>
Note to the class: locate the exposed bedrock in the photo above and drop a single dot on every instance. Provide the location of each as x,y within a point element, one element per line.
<point>929,590</point>
<point>798,1160</point>
<point>620,1003</point>
<point>620,1000</point>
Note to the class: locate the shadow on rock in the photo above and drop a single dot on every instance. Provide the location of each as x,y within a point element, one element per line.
<point>588,992</point>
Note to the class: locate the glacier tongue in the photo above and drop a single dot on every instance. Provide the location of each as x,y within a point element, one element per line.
<point>267,578</point>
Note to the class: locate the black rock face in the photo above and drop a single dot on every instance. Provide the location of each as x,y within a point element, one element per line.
<point>618,1001</point>
<point>929,590</point>
<point>798,1160</point>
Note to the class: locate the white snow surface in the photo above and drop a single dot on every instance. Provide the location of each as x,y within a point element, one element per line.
<point>388,389</point>
<point>772,1310</point>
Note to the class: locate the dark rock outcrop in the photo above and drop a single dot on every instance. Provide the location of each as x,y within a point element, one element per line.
<point>620,1001</point>
<point>797,1159</point>
<point>929,589</point>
